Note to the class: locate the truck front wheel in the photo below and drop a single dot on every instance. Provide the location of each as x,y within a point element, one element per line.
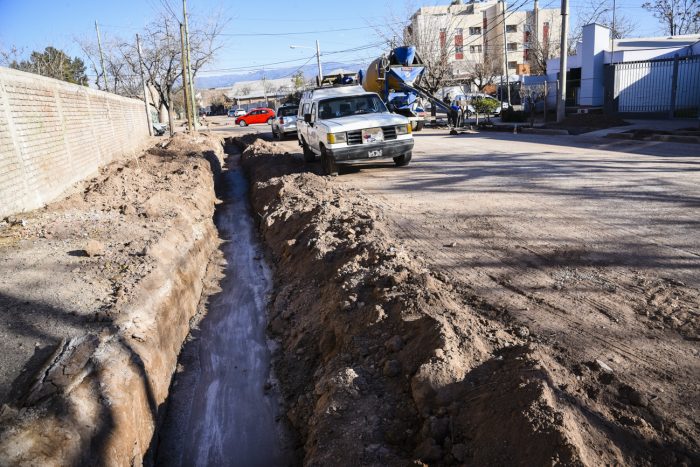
<point>328,163</point>
<point>403,159</point>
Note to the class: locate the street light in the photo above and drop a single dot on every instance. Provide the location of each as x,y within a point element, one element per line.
<point>318,58</point>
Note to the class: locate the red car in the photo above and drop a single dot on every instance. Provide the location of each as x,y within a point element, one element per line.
<point>261,115</point>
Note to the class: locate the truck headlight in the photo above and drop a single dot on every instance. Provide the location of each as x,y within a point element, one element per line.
<point>404,129</point>
<point>335,138</point>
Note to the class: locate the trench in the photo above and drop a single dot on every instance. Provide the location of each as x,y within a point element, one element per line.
<point>224,406</point>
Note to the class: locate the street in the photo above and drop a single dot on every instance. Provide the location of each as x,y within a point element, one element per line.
<point>592,245</point>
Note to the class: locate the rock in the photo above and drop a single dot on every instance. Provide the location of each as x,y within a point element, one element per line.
<point>634,396</point>
<point>94,248</point>
<point>603,366</point>
<point>638,399</point>
<point>399,278</point>
<point>394,344</point>
<point>392,368</point>
<point>522,331</point>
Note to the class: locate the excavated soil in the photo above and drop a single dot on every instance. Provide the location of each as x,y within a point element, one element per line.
<point>96,293</point>
<point>383,361</point>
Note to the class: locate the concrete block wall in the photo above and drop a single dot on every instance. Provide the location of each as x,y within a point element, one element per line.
<point>54,134</point>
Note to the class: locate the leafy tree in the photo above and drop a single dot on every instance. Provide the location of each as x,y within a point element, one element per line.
<point>484,106</point>
<point>677,16</point>
<point>53,63</point>
<point>298,80</point>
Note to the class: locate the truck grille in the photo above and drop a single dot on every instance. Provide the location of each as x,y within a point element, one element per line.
<point>389,132</point>
<point>355,137</point>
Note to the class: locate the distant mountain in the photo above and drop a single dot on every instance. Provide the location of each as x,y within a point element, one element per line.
<point>310,71</point>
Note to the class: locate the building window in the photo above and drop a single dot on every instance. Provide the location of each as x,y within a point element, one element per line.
<point>512,46</point>
<point>512,65</point>
<point>458,32</point>
<point>443,38</point>
<point>527,37</point>
<point>545,32</point>
<point>526,54</point>
<point>512,28</point>
<point>475,31</point>
<point>459,42</point>
<point>475,49</point>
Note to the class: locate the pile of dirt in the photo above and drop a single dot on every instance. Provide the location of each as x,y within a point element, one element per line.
<point>96,292</point>
<point>381,362</point>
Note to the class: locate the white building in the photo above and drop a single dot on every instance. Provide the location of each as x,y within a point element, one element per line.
<point>634,75</point>
<point>471,32</point>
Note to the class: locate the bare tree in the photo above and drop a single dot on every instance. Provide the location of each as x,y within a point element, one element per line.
<point>532,95</point>
<point>9,55</point>
<point>479,74</point>
<point>677,16</point>
<point>121,78</point>
<point>161,58</point>
<point>543,49</point>
<point>601,13</point>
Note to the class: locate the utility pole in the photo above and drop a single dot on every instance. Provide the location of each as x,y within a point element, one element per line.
<point>185,86</point>
<point>189,67</point>
<point>318,62</point>
<point>264,80</point>
<point>145,91</point>
<point>102,59</point>
<point>561,90</point>
<point>612,40</point>
<point>505,49</point>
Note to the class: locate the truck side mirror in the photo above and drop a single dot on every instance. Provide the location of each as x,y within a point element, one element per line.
<point>307,118</point>
<point>390,107</point>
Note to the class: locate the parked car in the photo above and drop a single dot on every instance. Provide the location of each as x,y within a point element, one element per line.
<point>236,112</point>
<point>347,124</point>
<point>286,121</point>
<point>261,115</point>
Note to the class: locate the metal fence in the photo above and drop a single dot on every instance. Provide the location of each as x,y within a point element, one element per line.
<point>665,87</point>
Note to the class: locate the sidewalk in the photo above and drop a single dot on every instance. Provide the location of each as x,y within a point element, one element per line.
<point>635,124</point>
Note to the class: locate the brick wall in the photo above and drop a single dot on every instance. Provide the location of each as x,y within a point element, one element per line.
<point>53,134</point>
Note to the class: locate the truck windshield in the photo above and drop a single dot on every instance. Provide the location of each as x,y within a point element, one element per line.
<point>350,105</point>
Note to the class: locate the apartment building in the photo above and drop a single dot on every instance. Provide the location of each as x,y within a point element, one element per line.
<point>474,32</point>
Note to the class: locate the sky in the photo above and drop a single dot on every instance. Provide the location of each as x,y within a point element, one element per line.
<point>257,33</point>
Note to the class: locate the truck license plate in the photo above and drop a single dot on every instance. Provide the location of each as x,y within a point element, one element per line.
<point>372,135</point>
<point>375,153</point>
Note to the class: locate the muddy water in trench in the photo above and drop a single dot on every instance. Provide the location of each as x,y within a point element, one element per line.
<point>222,410</point>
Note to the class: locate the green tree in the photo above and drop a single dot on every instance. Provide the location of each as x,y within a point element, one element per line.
<point>298,80</point>
<point>54,63</point>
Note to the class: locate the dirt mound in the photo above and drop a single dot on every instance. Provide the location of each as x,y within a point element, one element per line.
<point>380,362</point>
<point>97,293</point>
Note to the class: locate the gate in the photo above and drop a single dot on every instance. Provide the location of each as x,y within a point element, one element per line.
<point>664,88</point>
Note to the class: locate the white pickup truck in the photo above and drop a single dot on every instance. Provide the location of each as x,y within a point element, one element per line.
<point>344,124</point>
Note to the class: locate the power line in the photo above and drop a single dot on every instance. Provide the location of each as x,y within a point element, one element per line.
<point>300,33</point>
<point>259,66</point>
